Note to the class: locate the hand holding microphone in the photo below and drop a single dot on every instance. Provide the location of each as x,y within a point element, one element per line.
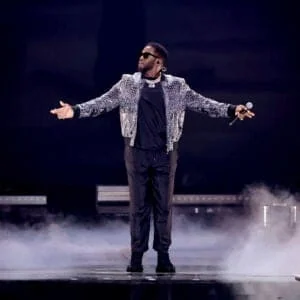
<point>242,111</point>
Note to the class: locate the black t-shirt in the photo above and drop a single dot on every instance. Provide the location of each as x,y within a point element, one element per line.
<point>151,121</point>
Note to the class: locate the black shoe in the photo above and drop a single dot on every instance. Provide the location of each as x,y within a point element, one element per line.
<point>165,268</point>
<point>135,265</point>
<point>135,268</point>
<point>164,264</point>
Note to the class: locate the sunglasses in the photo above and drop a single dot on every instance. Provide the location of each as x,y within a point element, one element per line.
<point>147,54</point>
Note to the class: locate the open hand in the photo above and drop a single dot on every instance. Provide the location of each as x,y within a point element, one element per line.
<point>64,112</point>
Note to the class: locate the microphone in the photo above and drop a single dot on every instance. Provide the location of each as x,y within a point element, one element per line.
<point>249,105</point>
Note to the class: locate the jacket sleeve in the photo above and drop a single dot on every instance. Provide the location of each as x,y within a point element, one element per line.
<point>100,105</point>
<point>196,102</point>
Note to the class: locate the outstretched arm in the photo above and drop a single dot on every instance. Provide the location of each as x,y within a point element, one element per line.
<point>196,102</point>
<point>213,108</point>
<point>91,108</point>
<point>102,104</point>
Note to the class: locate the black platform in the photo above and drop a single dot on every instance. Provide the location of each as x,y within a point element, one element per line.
<point>110,282</point>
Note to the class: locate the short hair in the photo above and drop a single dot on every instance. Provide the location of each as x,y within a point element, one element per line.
<point>160,50</point>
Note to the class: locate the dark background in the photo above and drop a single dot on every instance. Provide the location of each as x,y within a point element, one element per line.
<point>232,51</point>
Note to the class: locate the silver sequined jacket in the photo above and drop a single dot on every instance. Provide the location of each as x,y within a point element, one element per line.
<point>178,97</point>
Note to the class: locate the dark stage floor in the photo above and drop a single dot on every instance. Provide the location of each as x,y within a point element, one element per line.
<point>111,282</point>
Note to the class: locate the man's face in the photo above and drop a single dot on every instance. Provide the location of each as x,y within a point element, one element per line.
<point>147,60</point>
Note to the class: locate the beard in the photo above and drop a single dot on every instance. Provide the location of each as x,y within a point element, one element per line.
<point>143,68</point>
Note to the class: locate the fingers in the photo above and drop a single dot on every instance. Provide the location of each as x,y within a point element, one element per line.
<point>248,114</point>
<point>55,111</point>
<point>60,112</point>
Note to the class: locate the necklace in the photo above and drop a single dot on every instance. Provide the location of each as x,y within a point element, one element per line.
<point>151,83</point>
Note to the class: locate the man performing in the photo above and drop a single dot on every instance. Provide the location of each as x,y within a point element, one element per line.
<point>152,107</point>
